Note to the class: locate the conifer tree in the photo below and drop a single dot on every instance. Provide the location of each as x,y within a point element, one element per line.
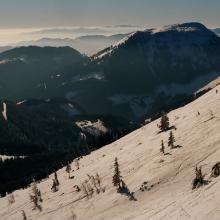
<point>68,169</point>
<point>162,149</point>
<point>116,180</point>
<point>164,122</point>
<point>171,140</point>
<point>56,179</point>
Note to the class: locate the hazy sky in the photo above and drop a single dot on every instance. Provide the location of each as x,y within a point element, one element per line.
<point>49,13</point>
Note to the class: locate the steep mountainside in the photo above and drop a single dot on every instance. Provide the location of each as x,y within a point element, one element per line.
<point>135,75</point>
<point>161,184</point>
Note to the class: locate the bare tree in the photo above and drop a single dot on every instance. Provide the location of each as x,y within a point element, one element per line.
<point>73,216</point>
<point>77,164</point>
<point>24,217</point>
<point>84,189</point>
<point>10,198</point>
<point>199,179</point>
<point>68,169</point>
<point>54,187</point>
<point>35,196</point>
<point>98,179</point>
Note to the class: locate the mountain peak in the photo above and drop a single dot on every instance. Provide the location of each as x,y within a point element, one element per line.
<point>184,27</point>
<point>181,35</point>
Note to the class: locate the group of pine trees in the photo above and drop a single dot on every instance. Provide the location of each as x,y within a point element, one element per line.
<point>165,126</point>
<point>171,143</point>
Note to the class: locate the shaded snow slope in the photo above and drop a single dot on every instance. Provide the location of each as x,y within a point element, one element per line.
<point>168,177</point>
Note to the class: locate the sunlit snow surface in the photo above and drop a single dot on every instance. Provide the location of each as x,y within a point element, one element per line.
<point>170,196</point>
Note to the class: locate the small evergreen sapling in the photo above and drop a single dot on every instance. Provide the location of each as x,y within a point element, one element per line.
<point>164,122</point>
<point>56,179</point>
<point>171,140</point>
<point>162,149</point>
<point>116,180</point>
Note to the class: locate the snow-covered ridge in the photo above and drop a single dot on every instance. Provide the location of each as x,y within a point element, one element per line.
<point>192,33</point>
<point>185,27</point>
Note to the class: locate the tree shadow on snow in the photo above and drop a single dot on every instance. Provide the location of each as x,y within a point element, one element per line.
<point>125,191</point>
<point>170,128</point>
<point>177,146</point>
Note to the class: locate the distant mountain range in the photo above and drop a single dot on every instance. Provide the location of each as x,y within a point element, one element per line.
<point>89,44</point>
<point>140,75</point>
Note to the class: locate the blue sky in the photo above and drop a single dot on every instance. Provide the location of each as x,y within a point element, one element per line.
<point>50,13</point>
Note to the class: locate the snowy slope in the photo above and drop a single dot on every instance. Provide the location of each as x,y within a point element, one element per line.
<point>169,177</point>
